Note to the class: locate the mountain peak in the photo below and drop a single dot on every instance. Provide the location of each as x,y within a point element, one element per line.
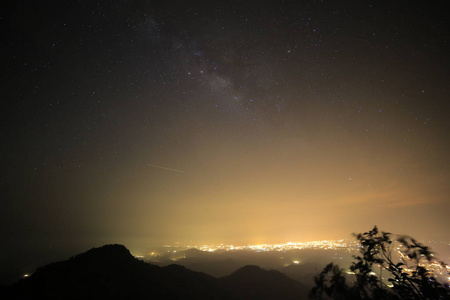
<point>112,250</point>
<point>103,256</point>
<point>253,282</point>
<point>249,270</point>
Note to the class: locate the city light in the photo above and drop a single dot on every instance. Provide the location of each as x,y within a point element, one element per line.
<point>324,245</point>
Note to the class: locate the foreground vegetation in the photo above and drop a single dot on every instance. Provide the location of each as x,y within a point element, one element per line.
<point>386,268</point>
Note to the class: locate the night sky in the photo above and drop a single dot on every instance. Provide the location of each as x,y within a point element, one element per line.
<point>154,122</point>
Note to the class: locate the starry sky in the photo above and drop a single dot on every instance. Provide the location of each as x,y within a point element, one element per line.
<point>152,122</point>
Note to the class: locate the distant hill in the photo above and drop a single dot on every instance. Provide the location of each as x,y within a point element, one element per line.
<point>111,272</point>
<point>303,273</point>
<point>299,264</point>
<point>252,282</point>
<point>218,268</point>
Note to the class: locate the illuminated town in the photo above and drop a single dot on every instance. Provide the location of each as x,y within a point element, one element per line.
<point>349,246</point>
<point>345,248</point>
<point>345,245</point>
<point>325,245</point>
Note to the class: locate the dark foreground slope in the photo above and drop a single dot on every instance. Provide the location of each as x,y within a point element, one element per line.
<point>111,272</point>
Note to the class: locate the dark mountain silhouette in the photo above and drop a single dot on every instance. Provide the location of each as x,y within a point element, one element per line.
<point>303,273</point>
<point>218,268</point>
<point>213,264</point>
<point>196,253</point>
<point>111,272</point>
<point>252,282</point>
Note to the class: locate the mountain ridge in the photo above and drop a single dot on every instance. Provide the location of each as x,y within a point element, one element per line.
<point>111,272</point>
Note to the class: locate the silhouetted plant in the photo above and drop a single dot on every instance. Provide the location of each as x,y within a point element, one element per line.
<point>385,269</point>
